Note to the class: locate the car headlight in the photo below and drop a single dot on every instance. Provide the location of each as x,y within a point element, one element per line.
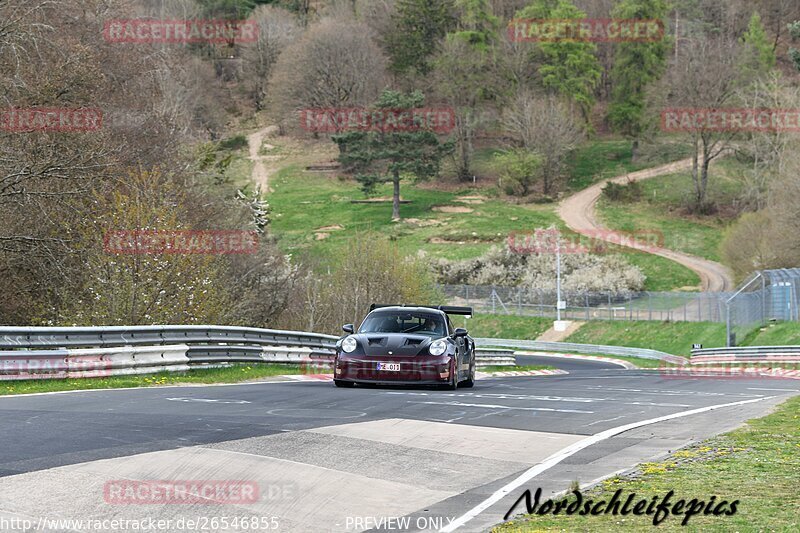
<point>349,345</point>
<point>438,347</point>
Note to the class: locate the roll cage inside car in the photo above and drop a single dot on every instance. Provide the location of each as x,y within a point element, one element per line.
<point>447,310</point>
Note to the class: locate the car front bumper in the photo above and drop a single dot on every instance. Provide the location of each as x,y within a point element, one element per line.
<point>418,370</point>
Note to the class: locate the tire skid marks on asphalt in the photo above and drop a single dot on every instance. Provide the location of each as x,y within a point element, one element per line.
<point>515,445</point>
<point>530,397</point>
<point>506,407</point>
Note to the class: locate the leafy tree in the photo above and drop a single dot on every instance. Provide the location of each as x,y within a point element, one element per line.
<point>521,169</point>
<point>567,67</point>
<point>759,55</point>
<point>385,156</point>
<point>636,65</point>
<point>794,54</point>
<point>419,27</point>
<point>477,25</point>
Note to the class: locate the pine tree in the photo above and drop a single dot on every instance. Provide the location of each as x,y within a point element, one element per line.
<point>384,156</point>
<point>419,27</point>
<point>567,67</point>
<point>759,55</point>
<point>636,65</point>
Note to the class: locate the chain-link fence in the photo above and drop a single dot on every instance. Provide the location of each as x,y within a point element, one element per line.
<point>672,306</point>
<point>770,295</point>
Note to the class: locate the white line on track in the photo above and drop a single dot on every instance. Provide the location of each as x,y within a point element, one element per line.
<point>489,406</point>
<point>206,400</point>
<point>572,450</point>
<point>607,420</point>
<point>782,390</point>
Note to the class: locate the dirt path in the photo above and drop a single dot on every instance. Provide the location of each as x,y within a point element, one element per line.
<point>578,213</point>
<point>260,171</point>
<point>551,335</point>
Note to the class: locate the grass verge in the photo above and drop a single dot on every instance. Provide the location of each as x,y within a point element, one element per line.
<point>758,464</point>
<point>602,159</point>
<point>515,368</point>
<point>669,337</point>
<point>506,326</point>
<point>779,334</point>
<point>232,374</point>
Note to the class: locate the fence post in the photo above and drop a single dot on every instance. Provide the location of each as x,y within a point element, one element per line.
<point>587,305</point>
<point>728,324</point>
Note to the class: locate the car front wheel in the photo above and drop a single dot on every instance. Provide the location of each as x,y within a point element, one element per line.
<point>453,383</point>
<point>470,381</point>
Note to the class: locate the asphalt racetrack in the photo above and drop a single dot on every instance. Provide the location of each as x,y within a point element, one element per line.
<point>330,459</point>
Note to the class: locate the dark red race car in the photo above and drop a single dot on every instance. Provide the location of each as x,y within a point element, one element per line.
<point>400,344</point>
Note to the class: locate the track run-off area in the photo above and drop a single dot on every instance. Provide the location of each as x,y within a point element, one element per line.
<point>329,459</point>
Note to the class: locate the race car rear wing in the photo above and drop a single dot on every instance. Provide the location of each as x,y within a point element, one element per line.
<point>449,309</point>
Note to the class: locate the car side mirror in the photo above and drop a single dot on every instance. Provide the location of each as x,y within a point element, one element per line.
<point>348,328</point>
<point>460,332</point>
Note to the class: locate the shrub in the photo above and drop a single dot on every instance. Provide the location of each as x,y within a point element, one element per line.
<point>624,193</point>
<point>237,142</point>
<point>519,170</point>
<point>580,272</point>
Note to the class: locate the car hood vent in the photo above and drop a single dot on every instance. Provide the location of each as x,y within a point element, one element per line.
<point>376,341</point>
<point>414,341</point>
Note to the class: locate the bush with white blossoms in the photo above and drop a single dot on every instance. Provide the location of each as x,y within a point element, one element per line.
<point>579,272</point>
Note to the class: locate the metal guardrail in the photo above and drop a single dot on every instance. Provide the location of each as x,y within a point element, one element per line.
<point>543,346</point>
<point>494,357</point>
<point>43,352</point>
<point>747,354</point>
<point>748,350</point>
<point>102,337</point>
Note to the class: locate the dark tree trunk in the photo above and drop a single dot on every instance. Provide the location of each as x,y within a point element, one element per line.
<point>396,196</point>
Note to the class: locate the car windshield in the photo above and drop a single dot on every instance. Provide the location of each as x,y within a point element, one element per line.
<point>394,322</point>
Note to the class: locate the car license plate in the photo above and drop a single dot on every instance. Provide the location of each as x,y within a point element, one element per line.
<point>389,367</point>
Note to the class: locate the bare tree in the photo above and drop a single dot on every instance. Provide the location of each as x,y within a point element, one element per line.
<point>464,79</point>
<point>277,28</point>
<point>767,151</point>
<point>377,14</point>
<point>335,64</point>
<point>708,76</point>
<point>543,125</point>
